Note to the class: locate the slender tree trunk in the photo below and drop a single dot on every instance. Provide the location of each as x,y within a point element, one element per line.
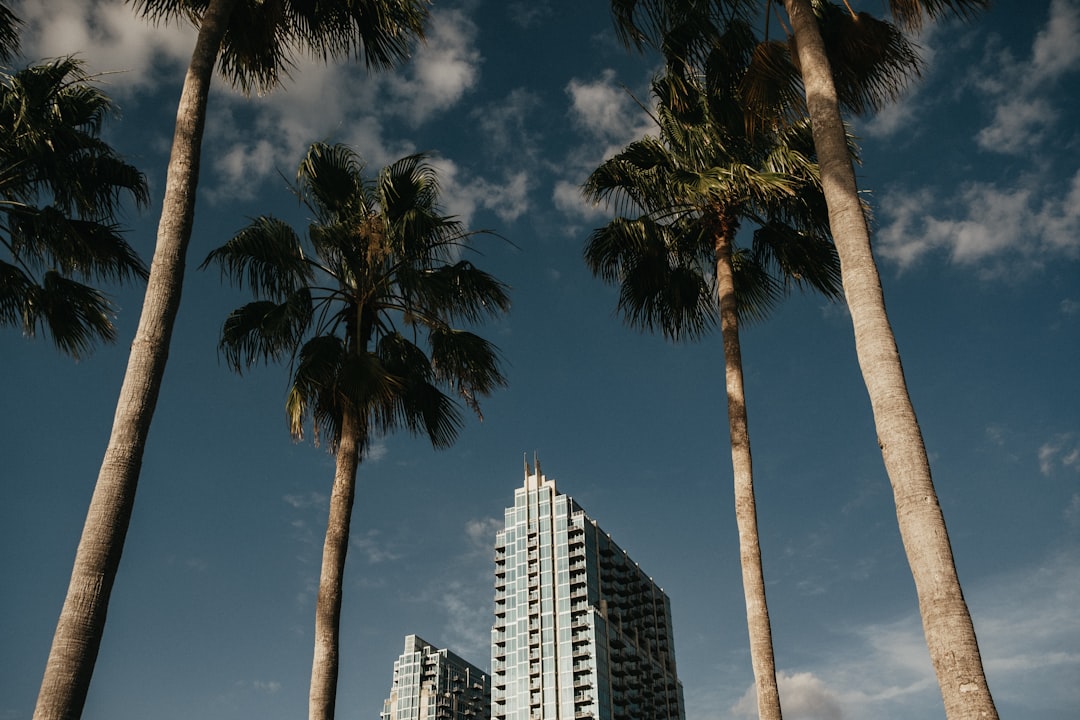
<point>753,578</point>
<point>82,620</point>
<point>950,635</point>
<point>324,666</point>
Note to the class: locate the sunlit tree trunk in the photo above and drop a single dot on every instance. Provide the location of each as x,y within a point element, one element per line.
<point>82,620</point>
<point>324,666</point>
<point>950,635</point>
<point>753,578</point>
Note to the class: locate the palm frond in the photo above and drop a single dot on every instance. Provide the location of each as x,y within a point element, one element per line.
<point>910,13</point>
<point>466,362</point>
<point>9,34</point>
<point>312,394</point>
<point>77,316</point>
<point>872,60</point>
<point>16,293</point>
<point>458,292</point>
<point>47,238</point>
<point>266,256</point>
<point>264,330</point>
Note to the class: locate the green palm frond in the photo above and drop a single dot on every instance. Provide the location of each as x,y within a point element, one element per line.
<point>44,238</point>
<point>50,117</point>
<point>687,192</point>
<point>264,330</point>
<point>313,393</point>
<point>266,256</point>
<point>460,291</point>
<point>375,263</point>
<point>330,178</point>
<point>466,362</point>
<point>419,405</point>
<point>76,315</point>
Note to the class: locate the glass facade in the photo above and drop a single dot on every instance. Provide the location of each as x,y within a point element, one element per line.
<point>434,684</point>
<point>580,631</point>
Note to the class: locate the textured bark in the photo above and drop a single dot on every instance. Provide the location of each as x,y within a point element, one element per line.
<point>950,635</point>
<point>324,667</point>
<point>82,620</point>
<point>753,578</point>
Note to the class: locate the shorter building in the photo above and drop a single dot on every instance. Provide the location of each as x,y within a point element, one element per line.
<point>434,684</point>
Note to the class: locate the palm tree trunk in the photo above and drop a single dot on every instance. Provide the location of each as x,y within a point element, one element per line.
<point>82,620</point>
<point>757,611</point>
<point>324,667</point>
<point>950,635</point>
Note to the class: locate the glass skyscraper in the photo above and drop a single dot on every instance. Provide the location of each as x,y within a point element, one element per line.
<point>434,684</point>
<point>580,630</point>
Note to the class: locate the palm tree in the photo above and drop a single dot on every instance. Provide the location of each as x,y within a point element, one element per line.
<point>253,42</point>
<point>50,117</point>
<point>678,267</point>
<point>379,270</point>
<point>950,634</point>
<point>858,76</point>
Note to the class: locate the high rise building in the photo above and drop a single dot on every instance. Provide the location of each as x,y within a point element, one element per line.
<point>580,630</point>
<point>434,684</point>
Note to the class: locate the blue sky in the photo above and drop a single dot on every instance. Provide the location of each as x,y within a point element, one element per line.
<point>975,182</point>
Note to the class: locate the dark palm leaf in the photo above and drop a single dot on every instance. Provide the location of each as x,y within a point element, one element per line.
<point>467,363</point>
<point>47,238</point>
<point>872,60</point>
<point>16,290</point>
<point>264,330</point>
<point>266,256</point>
<point>9,34</point>
<point>910,13</point>
<point>77,315</point>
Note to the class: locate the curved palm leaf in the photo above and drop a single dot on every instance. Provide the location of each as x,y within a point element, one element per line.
<point>264,37</point>
<point>50,116</point>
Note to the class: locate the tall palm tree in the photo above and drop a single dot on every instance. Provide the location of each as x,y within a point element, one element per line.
<point>50,118</point>
<point>379,270</point>
<point>253,42</point>
<point>857,77</point>
<point>950,634</point>
<point>678,267</point>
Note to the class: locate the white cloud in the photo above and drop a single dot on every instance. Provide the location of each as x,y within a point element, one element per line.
<point>605,109</point>
<point>505,125</point>
<point>481,532</point>
<point>444,68</point>
<point>463,195</point>
<point>529,14</point>
<point>1062,452</point>
<point>1028,634</point>
<point>1019,90</point>
<point>1004,231</point>
<point>110,37</point>
<point>375,549</point>
<point>307,500</point>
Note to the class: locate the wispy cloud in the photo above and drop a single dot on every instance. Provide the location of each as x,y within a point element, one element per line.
<point>1024,107</point>
<point>374,547</point>
<point>1060,453</point>
<point>999,230</point>
<point>610,118</point>
<point>1028,633</point>
<point>110,38</point>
